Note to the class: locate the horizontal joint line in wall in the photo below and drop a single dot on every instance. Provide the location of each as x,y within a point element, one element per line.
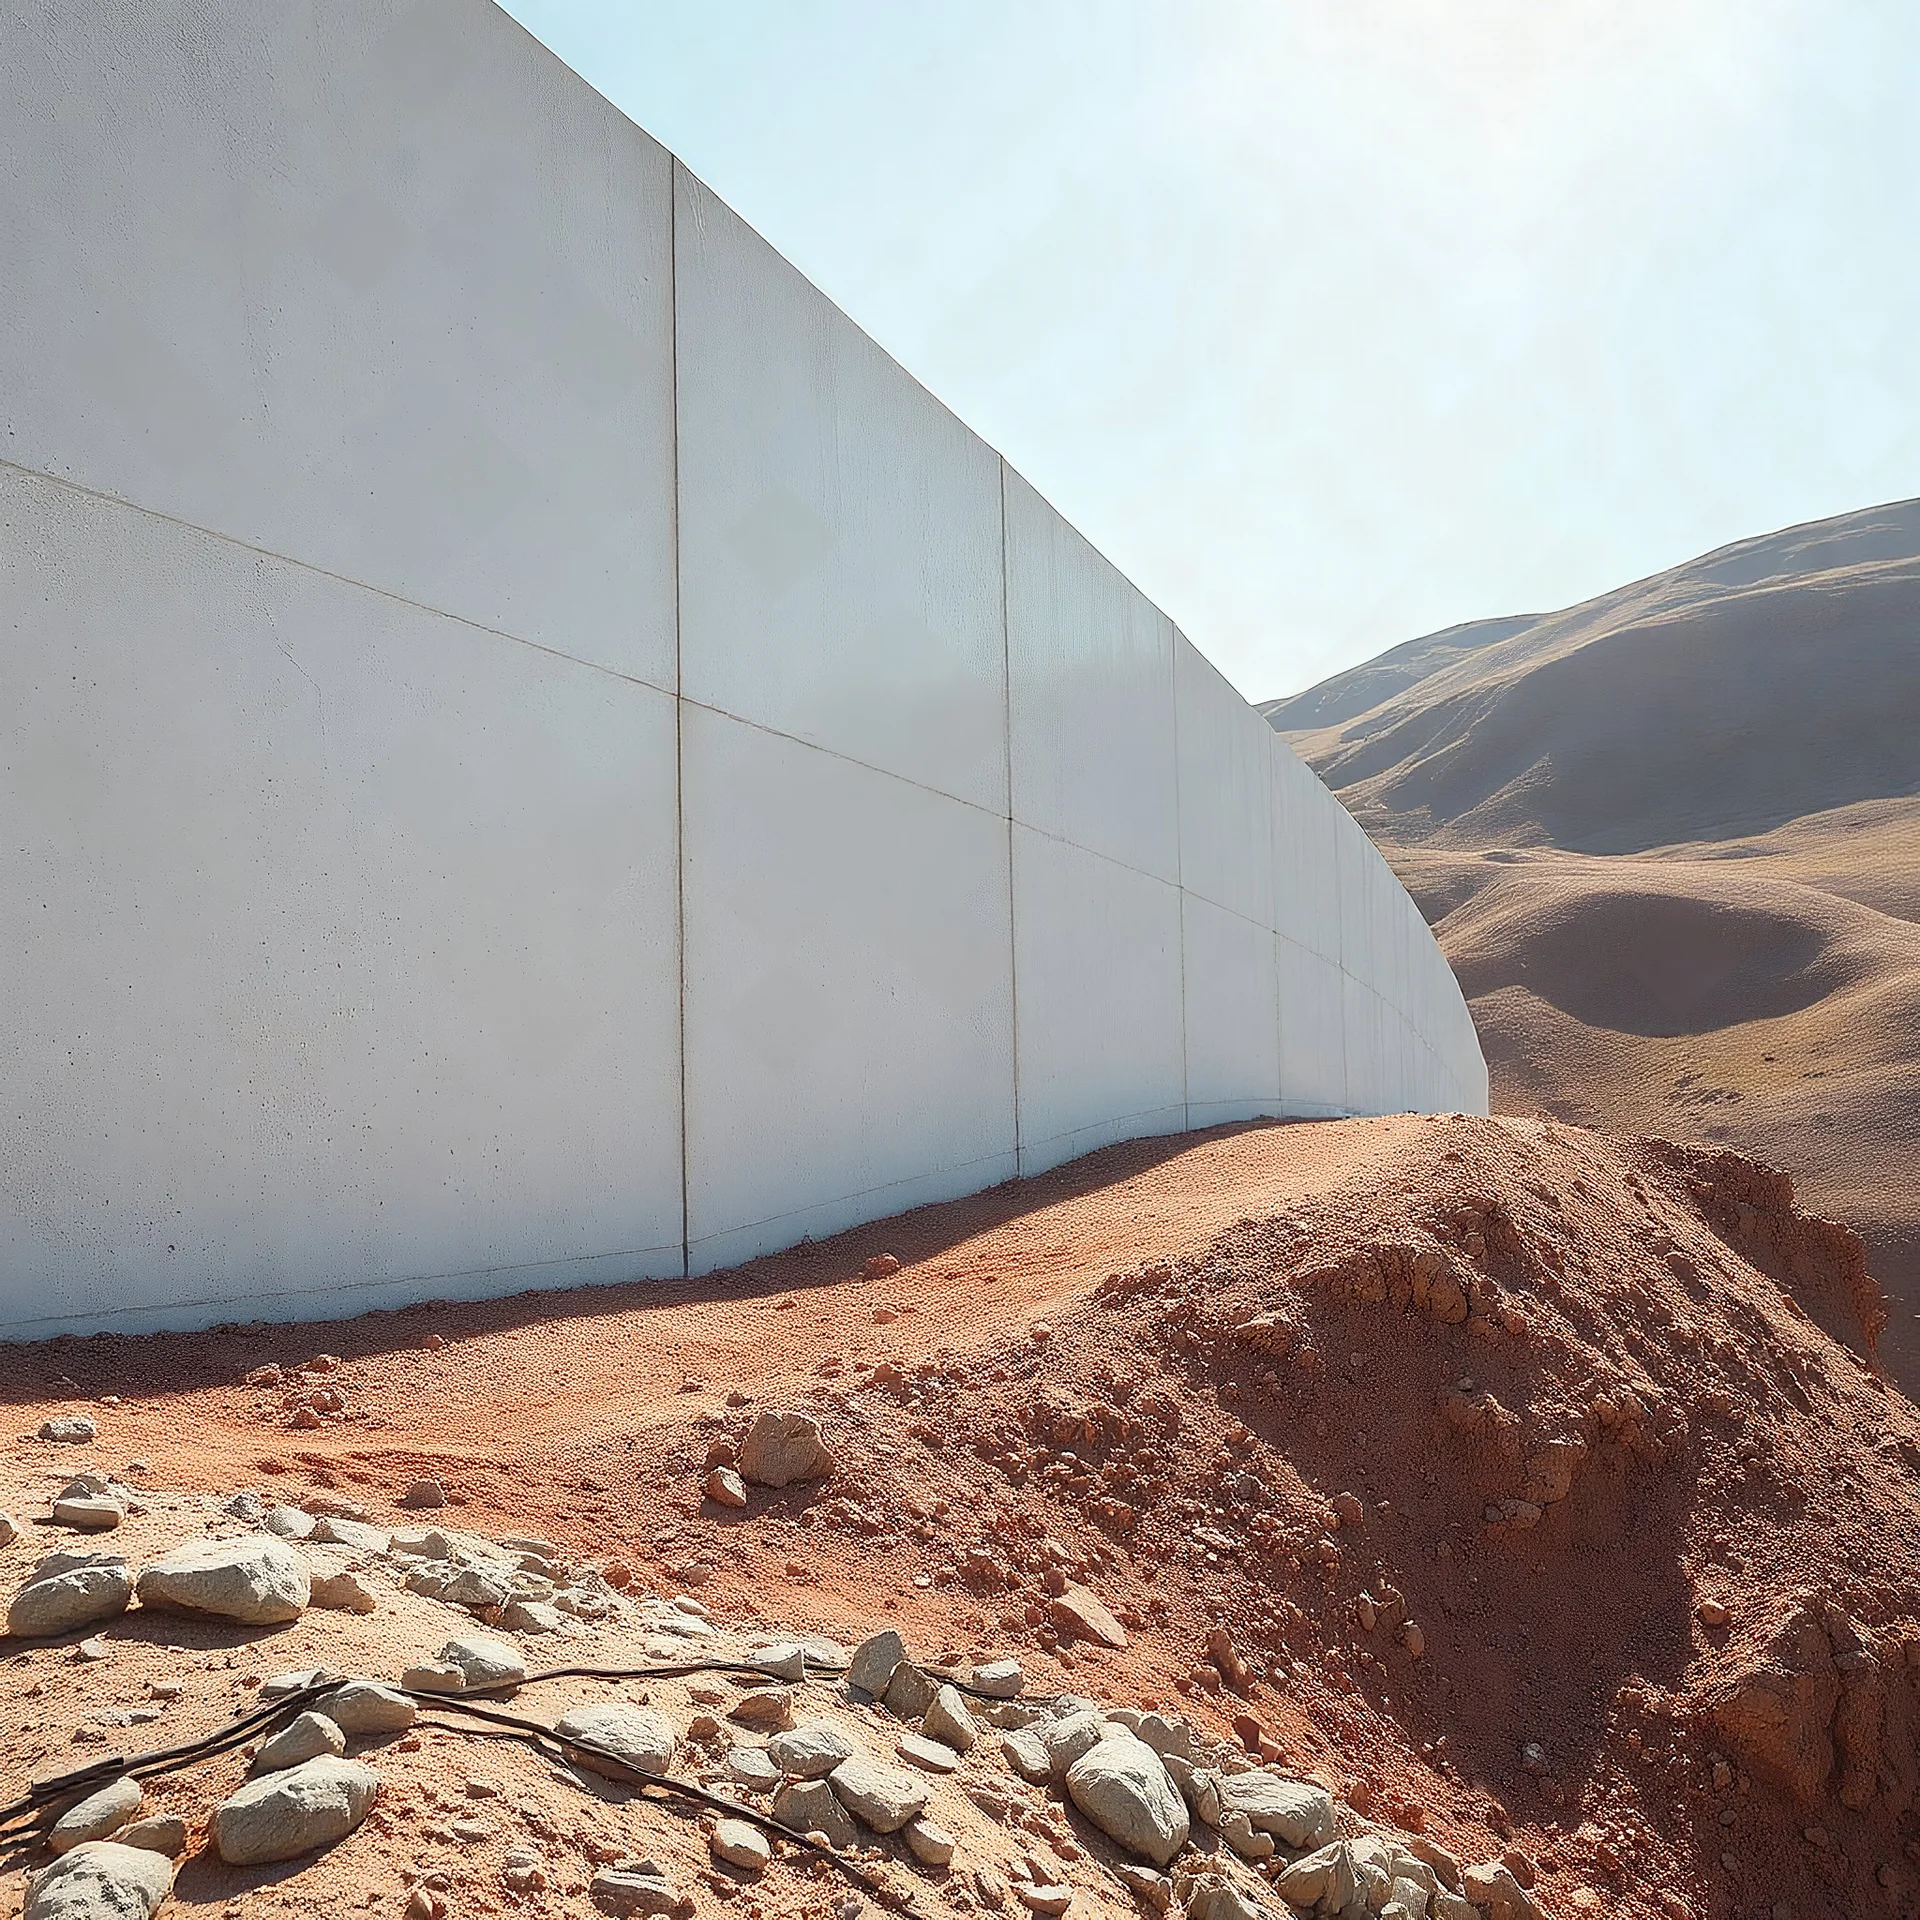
<point>327,573</point>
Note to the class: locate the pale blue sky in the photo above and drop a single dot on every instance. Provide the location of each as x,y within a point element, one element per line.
<point>1333,322</point>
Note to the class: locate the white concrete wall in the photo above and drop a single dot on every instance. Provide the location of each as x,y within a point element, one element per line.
<point>531,751</point>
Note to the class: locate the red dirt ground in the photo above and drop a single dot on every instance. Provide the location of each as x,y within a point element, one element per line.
<point>1532,1392</point>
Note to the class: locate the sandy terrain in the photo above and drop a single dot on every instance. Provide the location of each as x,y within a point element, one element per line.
<point>1418,1456</point>
<point>1670,841</point>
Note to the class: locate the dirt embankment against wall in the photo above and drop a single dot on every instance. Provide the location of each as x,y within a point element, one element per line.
<point>1535,1489</point>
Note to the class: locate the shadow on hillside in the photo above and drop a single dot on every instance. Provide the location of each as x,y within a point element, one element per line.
<point>84,1366</point>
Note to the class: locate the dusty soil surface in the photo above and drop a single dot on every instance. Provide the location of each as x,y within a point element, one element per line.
<point>1670,841</point>
<point>1417,1454</point>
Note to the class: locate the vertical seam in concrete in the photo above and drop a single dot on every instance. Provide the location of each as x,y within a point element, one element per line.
<point>679,706</point>
<point>1006,725</point>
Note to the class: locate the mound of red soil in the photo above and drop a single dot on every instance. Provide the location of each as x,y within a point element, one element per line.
<point>1535,1489</point>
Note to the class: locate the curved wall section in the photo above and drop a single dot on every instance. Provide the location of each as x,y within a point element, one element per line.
<point>532,752</point>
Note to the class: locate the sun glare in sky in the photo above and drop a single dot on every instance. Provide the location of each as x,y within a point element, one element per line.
<point>1336,322</point>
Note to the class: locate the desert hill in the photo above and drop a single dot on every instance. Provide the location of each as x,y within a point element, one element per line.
<point>1670,840</point>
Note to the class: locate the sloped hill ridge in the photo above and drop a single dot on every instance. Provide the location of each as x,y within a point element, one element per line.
<point>1670,842</point>
<point>1653,714</point>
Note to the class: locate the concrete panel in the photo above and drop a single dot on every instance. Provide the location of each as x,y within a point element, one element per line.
<point>380,287</point>
<point>1090,670</point>
<point>1306,881</point>
<point>337,941</point>
<point>1097,960</point>
<point>841,574</point>
<point>849,997</point>
<point>1313,1053</point>
<point>1232,1015</point>
<point>1226,797</point>
<point>1363,1019</point>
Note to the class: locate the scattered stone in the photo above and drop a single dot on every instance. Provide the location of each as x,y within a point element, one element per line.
<point>753,1769</point>
<point>999,1679</point>
<point>89,1510</point>
<point>724,1488</point>
<point>1297,1813</point>
<point>932,1756</point>
<point>1238,1832</point>
<point>364,1706</point>
<point>784,1662</point>
<point>1323,1881</point>
<point>948,1720</point>
<point>423,1493</point>
<point>341,1590</point>
<point>641,1889</point>
<point>1712,1614</point>
<point>643,1737</point>
<point>283,1815</point>
<point>69,1590</point>
<point>740,1845</point>
<point>97,1816</point>
<point>305,1737</point>
<point>158,1833</point>
<point>781,1448</point>
<point>932,1846</point>
<point>808,1752</point>
<point>810,1806</point>
<point>1080,1610</point>
<point>764,1707</point>
<point>1043,1897</point>
<point>1066,1739</point>
<point>485,1662</point>
<point>1027,1756</point>
<point>9,1530</point>
<point>331,1530</point>
<point>68,1429</point>
<point>280,1686</point>
<point>1122,1787</point>
<point>884,1798</point>
<point>434,1676</point>
<point>289,1523</point>
<point>532,1616</point>
<point>100,1880</point>
<point>1492,1887</point>
<point>909,1693</point>
<point>257,1582</point>
<point>1154,1889</point>
<point>874,1661</point>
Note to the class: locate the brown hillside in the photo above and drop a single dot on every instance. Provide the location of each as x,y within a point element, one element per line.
<point>1670,840</point>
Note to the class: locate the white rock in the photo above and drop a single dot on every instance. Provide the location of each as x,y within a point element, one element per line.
<point>485,1662</point>
<point>158,1833</point>
<point>364,1706</point>
<point>1067,1739</point>
<point>69,1590</point>
<point>1027,1756</point>
<point>947,1720</point>
<point>97,1816</point>
<point>1120,1784</point>
<point>1296,1812</point>
<point>342,1590</point>
<point>874,1661</point>
<point>884,1797</point>
<point>289,1523</point>
<point>741,1845</point>
<point>752,1768</point>
<point>257,1582</point>
<point>1323,1881</point>
<point>69,1429</point>
<point>331,1531</point>
<point>624,1891</point>
<point>641,1736</point>
<point>100,1880</point>
<point>1165,1733</point>
<point>532,1616</point>
<point>248,1506</point>
<point>306,1737</point>
<point>283,1815</point>
<point>90,1512</point>
<point>434,1676</point>
<point>1153,1888</point>
<point>932,1846</point>
<point>932,1756</point>
<point>810,1806</point>
<point>809,1752</point>
<point>999,1679</point>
